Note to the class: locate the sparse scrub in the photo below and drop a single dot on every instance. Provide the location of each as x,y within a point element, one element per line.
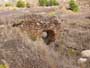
<point>2,66</point>
<point>52,3</point>
<point>48,3</point>
<point>28,5</point>
<point>8,4</point>
<point>73,6</point>
<point>21,4</point>
<point>33,38</point>
<point>43,2</point>
<point>72,52</point>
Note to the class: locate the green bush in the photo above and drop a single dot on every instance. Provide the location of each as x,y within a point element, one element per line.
<point>43,2</point>
<point>27,5</point>
<point>21,4</point>
<point>73,6</point>
<point>8,4</point>
<point>52,3</point>
<point>48,3</point>
<point>2,66</point>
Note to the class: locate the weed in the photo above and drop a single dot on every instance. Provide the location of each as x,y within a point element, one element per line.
<point>2,66</point>
<point>73,6</point>
<point>72,52</point>
<point>28,5</point>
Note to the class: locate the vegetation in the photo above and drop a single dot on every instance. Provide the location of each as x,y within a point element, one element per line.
<point>52,3</point>
<point>2,66</point>
<point>27,5</point>
<point>43,2</point>
<point>48,3</point>
<point>72,52</point>
<point>8,4</point>
<point>52,14</point>
<point>73,6</point>
<point>21,4</point>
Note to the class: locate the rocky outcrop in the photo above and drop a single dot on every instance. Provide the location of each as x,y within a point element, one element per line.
<point>22,45</point>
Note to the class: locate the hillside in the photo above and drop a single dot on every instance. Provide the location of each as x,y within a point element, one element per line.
<point>45,37</point>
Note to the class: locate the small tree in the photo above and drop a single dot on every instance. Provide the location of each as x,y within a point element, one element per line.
<point>21,4</point>
<point>73,6</point>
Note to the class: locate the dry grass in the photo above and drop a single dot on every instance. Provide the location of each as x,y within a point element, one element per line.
<point>9,8</point>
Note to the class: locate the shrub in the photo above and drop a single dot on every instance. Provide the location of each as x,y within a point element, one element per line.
<point>27,5</point>
<point>21,4</point>
<point>52,3</point>
<point>2,66</point>
<point>48,3</point>
<point>43,2</point>
<point>73,6</point>
<point>72,52</point>
<point>8,4</point>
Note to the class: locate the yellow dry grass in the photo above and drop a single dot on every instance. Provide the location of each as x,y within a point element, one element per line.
<point>9,8</point>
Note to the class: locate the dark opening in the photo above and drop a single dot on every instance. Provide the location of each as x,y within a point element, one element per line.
<point>88,17</point>
<point>48,36</point>
<point>17,24</point>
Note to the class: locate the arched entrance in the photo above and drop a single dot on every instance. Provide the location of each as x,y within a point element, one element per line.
<point>48,36</point>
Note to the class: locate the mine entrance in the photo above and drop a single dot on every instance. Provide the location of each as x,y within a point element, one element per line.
<point>48,36</point>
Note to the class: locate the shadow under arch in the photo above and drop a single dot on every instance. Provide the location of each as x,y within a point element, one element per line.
<point>48,36</point>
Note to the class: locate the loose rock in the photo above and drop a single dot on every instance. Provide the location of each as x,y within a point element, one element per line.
<point>85,53</point>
